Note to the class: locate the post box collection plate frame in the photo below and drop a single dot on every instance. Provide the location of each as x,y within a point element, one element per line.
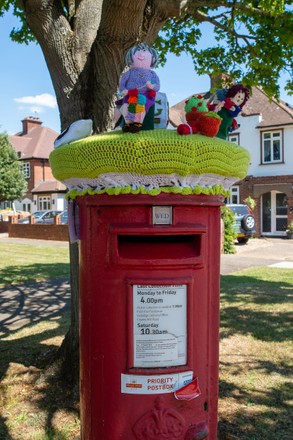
<point>188,281</point>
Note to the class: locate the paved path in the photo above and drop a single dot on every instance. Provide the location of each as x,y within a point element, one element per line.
<point>29,303</point>
<point>276,252</point>
<point>25,304</point>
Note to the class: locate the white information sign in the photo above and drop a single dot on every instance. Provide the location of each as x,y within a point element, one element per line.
<point>158,384</point>
<point>159,326</point>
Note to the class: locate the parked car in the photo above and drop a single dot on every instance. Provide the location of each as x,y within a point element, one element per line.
<point>64,217</point>
<point>42,217</point>
<point>244,223</point>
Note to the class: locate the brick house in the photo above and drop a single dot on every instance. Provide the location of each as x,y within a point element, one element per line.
<point>266,131</point>
<point>33,146</point>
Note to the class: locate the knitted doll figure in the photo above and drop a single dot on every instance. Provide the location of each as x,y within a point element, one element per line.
<point>236,98</point>
<point>138,86</point>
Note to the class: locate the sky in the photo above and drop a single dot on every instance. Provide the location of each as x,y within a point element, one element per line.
<point>26,88</point>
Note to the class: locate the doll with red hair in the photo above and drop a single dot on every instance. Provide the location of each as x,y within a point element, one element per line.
<point>236,97</point>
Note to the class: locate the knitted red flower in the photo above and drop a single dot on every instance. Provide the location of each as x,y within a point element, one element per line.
<point>133,92</point>
<point>151,94</point>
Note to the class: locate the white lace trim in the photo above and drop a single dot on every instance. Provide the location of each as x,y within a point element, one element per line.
<point>135,181</point>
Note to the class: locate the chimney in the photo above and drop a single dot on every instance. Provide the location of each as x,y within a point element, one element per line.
<point>29,123</point>
<point>222,80</point>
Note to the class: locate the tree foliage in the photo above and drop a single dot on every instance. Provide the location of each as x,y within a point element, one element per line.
<point>230,234</point>
<point>253,39</point>
<point>12,181</point>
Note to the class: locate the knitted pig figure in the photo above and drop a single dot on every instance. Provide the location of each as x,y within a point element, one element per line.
<point>138,87</point>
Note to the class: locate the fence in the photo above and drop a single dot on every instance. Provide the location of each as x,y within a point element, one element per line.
<point>36,231</point>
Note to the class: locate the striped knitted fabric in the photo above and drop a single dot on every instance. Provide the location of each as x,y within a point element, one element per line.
<point>149,162</point>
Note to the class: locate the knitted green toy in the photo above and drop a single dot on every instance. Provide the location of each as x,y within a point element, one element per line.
<point>199,118</point>
<point>196,103</point>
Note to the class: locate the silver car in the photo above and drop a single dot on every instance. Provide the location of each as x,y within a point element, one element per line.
<point>42,217</point>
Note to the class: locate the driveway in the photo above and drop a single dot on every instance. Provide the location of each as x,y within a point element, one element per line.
<point>275,252</point>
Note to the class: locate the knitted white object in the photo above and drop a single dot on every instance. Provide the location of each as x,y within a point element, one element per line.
<point>77,130</point>
<point>150,182</point>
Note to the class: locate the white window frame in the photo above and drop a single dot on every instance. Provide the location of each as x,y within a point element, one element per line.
<point>269,137</point>
<point>234,138</point>
<point>26,169</point>
<point>234,197</point>
<point>45,203</point>
<point>26,207</point>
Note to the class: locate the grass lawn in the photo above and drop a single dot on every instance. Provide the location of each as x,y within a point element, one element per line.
<point>27,262</point>
<point>255,356</point>
<point>256,392</point>
<point>33,403</point>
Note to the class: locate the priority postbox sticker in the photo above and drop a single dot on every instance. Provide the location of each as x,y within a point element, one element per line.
<point>155,384</point>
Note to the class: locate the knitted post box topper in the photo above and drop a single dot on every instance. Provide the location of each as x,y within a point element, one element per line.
<point>138,86</point>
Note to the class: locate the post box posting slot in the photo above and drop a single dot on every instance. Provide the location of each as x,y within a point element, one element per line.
<point>159,246</point>
<point>175,247</point>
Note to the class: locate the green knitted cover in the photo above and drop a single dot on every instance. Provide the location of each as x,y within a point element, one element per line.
<point>149,162</point>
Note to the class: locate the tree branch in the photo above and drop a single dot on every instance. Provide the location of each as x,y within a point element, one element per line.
<point>169,8</point>
<point>193,4</point>
<point>203,17</point>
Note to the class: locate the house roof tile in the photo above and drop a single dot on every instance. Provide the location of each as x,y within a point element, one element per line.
<point>49,186</point>
<point>38,142</point>
<point>272,112</point>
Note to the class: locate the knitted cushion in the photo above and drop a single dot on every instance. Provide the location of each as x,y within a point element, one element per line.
<point>149,162</point>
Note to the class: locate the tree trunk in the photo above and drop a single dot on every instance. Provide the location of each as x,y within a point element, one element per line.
<point>69,350</point>
<point>84,49</point>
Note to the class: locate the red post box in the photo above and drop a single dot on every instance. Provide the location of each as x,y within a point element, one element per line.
<point>149,316</point>
<point>149,279</point>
